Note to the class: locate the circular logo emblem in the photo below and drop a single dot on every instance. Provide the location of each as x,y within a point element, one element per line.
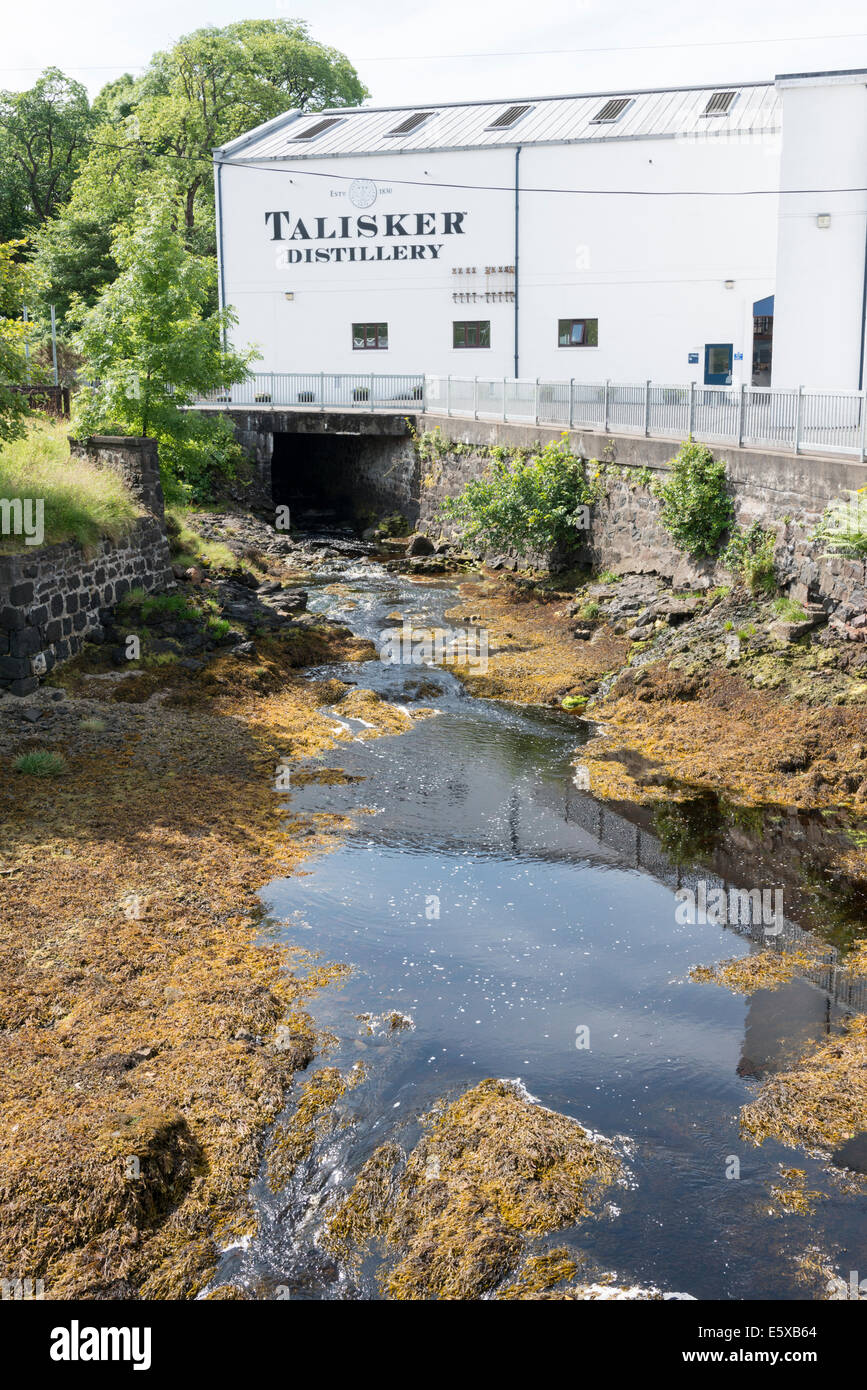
<point>362,192</point>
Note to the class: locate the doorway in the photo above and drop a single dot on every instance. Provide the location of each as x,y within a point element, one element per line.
<point>763,348</point>
<point>718,364</point>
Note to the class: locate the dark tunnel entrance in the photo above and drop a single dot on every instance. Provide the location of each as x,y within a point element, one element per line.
<point>345,479</point>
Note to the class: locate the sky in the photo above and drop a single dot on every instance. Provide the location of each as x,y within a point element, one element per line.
<point>410,52</point>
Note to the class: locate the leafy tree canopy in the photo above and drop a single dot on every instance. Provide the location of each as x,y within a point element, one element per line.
<point>148,340</point>
<point>44,135</point>
<point>162,128</point>
<point>150,345</point>
<point>13,287</point>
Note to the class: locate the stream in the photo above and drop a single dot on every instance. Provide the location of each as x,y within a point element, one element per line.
<point>504,911</point>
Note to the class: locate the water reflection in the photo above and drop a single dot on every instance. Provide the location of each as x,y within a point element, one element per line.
<point>504,909</point>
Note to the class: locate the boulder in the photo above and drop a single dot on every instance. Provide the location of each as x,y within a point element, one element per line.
<point>420,544</point>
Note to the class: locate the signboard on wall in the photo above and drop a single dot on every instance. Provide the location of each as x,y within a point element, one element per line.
<point>400,236</point>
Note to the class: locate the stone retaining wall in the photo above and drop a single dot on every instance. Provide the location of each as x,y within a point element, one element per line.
<point>53,597</point>
<point>786,495</point>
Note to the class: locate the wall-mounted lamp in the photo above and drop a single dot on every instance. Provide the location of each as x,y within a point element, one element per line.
<point>289,295</point>
<point>729,284</point>
<point>823,220</point>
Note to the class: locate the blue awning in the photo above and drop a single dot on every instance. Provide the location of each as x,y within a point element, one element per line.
<point>764,308</point>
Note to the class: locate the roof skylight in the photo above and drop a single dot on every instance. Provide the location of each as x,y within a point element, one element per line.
<point>410,123</point>
<point>317,128</point>
<point>611,111</point>
<point>719,104</point>
<point>509,117</point>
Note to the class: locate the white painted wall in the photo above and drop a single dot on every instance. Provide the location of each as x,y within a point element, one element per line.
<point>820,273</point>
<point>651,269</point>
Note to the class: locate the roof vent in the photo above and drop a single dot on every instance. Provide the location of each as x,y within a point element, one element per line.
<point>508,118</point>
<point>719,104</point>
<point>612,110</point>
<point>410,123</point>
<point>317,128</point>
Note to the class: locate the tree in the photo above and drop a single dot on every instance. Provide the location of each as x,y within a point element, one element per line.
<point>162,128</point>
<point>45,133</point>
<point>13,366</point>
<point>215,84</point>
<point>152,346</point>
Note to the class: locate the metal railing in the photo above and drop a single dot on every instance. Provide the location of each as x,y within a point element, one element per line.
<point>795,419</point>
<point>321,391</point>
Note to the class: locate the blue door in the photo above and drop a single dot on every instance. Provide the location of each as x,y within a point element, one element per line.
<point>718,364</point>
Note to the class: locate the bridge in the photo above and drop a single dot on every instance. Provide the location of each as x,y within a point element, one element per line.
<point>797,420</point>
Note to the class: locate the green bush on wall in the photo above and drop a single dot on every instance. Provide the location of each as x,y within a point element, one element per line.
<point>750,555</point>
<point>528,504</point>
<point>696,507</point>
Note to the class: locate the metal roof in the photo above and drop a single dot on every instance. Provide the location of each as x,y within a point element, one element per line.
<point>661,114</point>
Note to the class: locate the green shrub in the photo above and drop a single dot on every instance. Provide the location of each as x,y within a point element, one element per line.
<point>526,504</point>
<point>198,457</point>
<point>696,507</point>
<point>750,555</point>
<point>40,764</point>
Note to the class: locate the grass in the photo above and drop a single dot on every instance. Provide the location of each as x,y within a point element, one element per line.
<point>789,610</point>
<point>82,502</point>
<point>92,725</point>
<point>190,549</point>
<point>608,577</point>
<point>40,764</point>
<point>159,605</point>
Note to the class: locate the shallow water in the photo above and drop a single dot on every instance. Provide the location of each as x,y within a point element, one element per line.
<point>502,909</point>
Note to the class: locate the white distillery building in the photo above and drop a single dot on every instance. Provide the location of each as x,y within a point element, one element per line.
<point>708,234</point>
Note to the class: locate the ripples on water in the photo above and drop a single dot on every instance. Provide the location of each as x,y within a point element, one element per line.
<point>503,909</point>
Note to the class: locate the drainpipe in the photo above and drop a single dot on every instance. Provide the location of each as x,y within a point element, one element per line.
<point>863,319</point>
<point>517,207</point>
<point>221,277</point>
